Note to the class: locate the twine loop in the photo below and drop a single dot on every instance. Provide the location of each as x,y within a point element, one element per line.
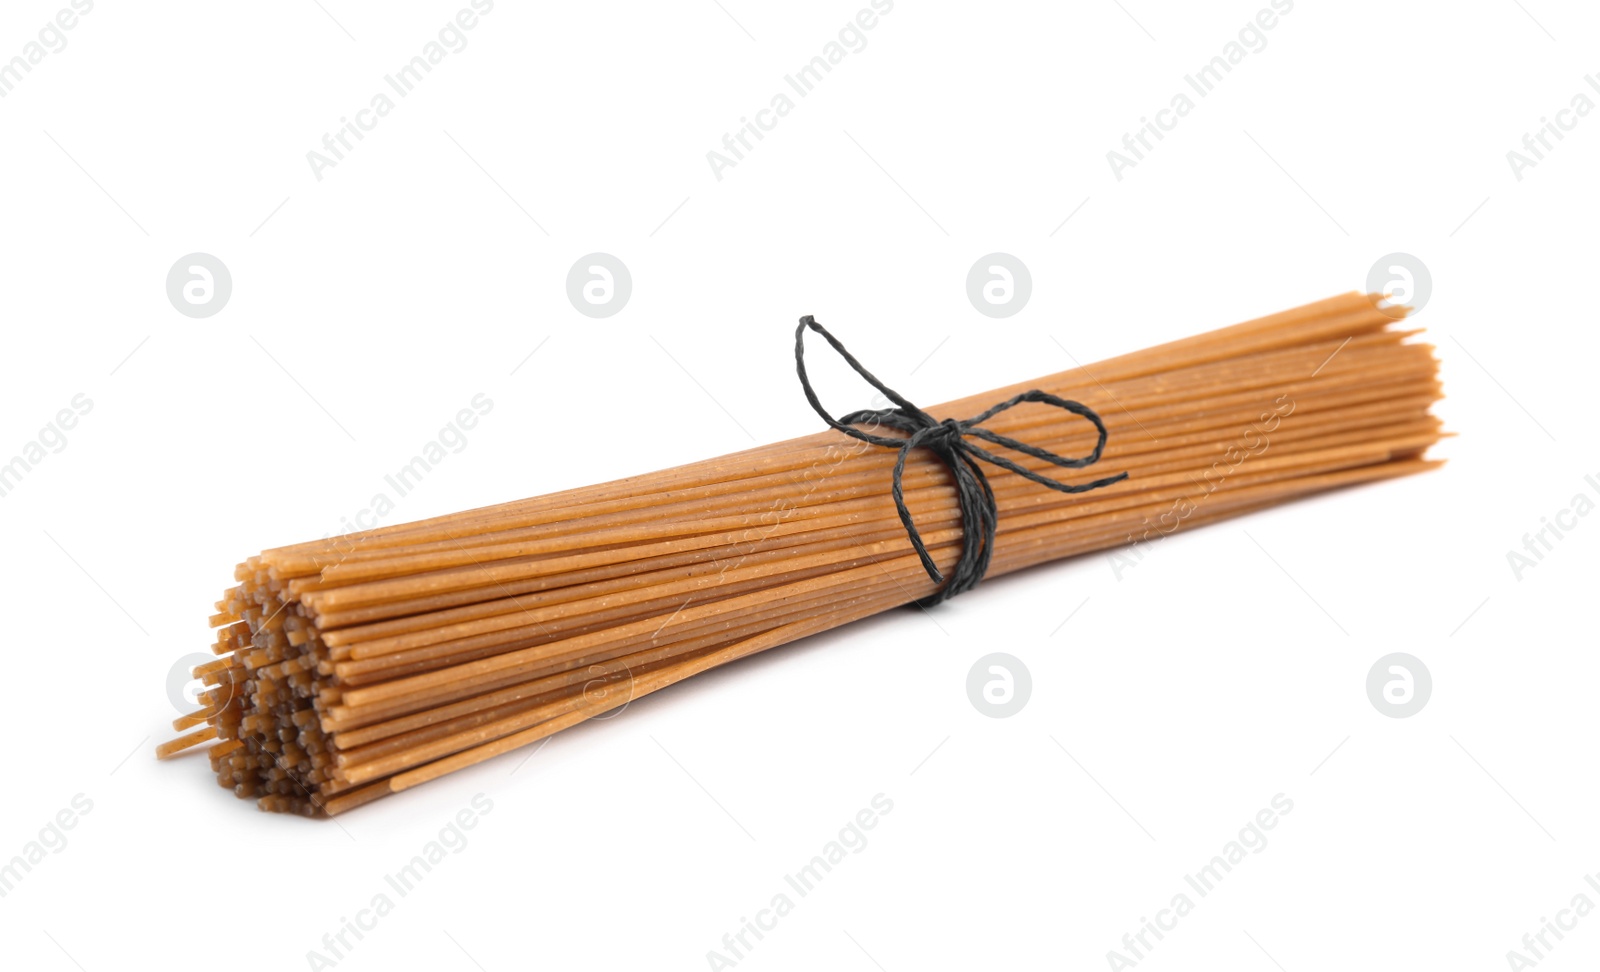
<point>951,441</point>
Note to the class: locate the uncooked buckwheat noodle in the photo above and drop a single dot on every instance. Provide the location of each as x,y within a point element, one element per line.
<point>356,667</point>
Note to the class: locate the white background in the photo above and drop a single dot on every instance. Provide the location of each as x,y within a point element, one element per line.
<point>370,306</point>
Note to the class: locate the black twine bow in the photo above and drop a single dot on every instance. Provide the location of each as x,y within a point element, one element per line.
<point>948,440</point>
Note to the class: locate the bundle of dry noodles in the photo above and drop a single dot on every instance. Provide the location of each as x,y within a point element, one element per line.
<point>355,667</point>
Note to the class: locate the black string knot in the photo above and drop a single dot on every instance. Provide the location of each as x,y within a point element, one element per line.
<point>951,441</point>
